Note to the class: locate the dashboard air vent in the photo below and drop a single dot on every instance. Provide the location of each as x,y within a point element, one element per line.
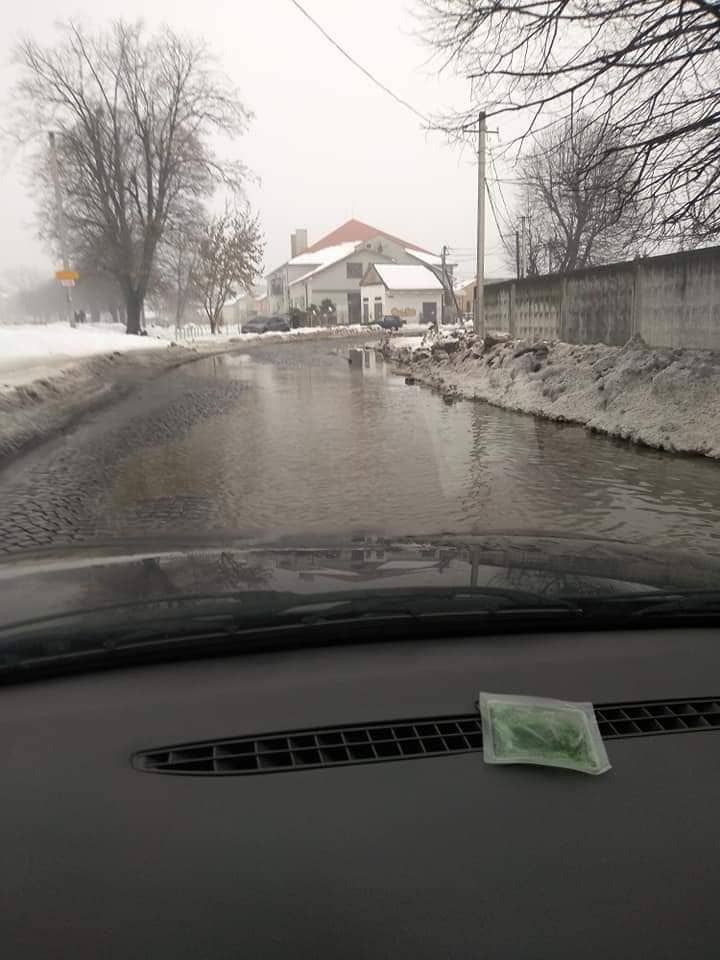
<point>402,740</point>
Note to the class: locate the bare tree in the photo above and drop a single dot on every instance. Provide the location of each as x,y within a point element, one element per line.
<point>133,116</point>
<point>648,68</point>
<point>579,199</point>
<point>230,259</point>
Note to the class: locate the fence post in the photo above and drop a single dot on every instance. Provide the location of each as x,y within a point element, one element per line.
<point>562,325</point>
<point>636,298</point>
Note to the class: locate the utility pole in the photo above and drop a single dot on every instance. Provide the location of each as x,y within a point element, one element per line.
<point>62,236</point>
<point>523,248</point>
<point>479,317</point>
<point>517,254</point>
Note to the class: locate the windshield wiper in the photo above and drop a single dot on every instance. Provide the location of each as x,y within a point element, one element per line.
<point>656,604</point>
<point>238,620</point>
<point>439,602</point>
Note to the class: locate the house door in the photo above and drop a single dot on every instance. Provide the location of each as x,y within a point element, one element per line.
<point>429,312</point>
<point>354,307</point>
<point>377,311</point>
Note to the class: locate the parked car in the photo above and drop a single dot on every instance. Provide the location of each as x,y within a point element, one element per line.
<point>389,323</point>
<point>265,325</point>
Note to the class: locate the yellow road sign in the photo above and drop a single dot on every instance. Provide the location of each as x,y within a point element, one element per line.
<point>67,275</point>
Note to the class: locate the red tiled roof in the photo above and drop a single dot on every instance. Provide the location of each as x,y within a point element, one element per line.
<point>356,230</point>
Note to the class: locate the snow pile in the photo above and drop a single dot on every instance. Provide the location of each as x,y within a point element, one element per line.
<point>32,351</point>
<point>664,398</point>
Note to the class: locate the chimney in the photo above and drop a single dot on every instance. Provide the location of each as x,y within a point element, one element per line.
<point>298,242</point>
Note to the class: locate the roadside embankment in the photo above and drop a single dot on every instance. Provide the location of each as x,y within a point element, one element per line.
<point>663,398</point>
<point>47,384</point>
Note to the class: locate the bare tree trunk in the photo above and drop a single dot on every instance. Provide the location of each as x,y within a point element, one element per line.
<point>215,318</point>
<point>133,308</point>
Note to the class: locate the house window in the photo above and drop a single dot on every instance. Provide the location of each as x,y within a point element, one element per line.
<point>354,271</point>
<point>366,311</point>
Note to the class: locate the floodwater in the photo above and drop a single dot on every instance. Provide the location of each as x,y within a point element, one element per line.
<point>296,440</point>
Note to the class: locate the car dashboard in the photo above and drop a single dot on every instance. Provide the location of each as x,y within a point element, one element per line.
<point>132,825</point>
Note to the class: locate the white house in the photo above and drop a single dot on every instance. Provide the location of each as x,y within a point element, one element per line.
<point>412,292</point>
<point>332,268</point>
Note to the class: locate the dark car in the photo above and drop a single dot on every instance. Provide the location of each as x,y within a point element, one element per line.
<point>389,323</point>
<point>265,325</point>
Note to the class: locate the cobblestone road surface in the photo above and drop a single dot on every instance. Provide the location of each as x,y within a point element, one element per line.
<point>61,493</point>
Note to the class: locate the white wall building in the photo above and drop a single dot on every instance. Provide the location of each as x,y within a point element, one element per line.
<point>332,268</point>
<point>412,292</point>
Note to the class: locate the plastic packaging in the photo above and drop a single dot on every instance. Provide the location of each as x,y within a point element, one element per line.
<point>551,733</point>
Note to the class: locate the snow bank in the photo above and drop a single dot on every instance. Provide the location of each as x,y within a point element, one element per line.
<point>31,351</point>
<point>664,398</point>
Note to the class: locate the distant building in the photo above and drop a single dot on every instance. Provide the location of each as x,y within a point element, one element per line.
<point>412,292</point>
<point>332,268</point>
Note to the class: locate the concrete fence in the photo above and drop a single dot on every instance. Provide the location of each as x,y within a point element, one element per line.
<point>671,301</point>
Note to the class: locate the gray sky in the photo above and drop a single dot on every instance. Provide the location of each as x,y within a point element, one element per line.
<point>325,142</point>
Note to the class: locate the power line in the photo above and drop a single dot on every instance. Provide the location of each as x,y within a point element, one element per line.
<point>359,66</point>
<point>494,212</point>
<point>500,189</point>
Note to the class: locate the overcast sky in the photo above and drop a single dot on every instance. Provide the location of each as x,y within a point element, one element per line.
<point>326,144</point>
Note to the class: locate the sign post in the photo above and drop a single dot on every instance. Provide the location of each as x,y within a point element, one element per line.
<point>66,276</point>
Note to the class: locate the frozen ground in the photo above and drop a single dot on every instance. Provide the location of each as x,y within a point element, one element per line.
<point>664,398</point>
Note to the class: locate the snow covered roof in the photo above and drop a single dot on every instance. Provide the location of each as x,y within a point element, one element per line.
<point>431,259</point>
<point>402,276</point>
<point>305,259</point>
<point>323,258</point>
<point>353,231</point>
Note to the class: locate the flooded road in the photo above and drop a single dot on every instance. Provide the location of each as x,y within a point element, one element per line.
<point>289,438</point>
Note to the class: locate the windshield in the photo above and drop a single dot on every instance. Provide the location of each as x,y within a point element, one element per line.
<point>317,305</point>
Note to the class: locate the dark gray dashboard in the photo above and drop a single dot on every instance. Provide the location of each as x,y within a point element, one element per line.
<point>433,857</point>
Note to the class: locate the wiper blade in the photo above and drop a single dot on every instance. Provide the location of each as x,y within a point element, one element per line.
<point>441,602</point>
<point>183,621</point>
<point>690,602</point>
<point>631,607</point>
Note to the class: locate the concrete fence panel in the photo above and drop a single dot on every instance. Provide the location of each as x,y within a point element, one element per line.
<point>671,301</point>
<point>598,306</point>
